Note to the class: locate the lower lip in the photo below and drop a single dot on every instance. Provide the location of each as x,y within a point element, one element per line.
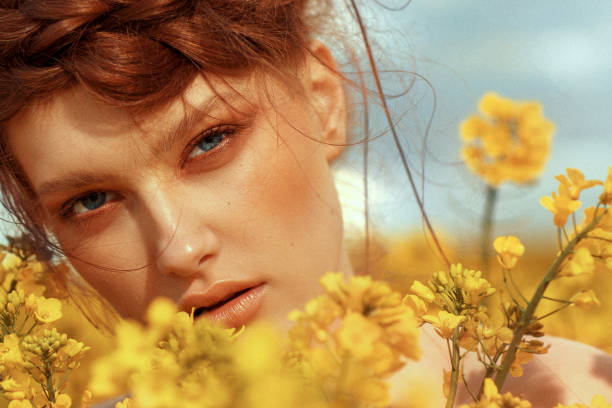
<point>238,311</point>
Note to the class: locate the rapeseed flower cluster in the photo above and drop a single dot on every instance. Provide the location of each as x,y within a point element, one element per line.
<point>457,297</point>
<point>509,141</point>
<point>596,244</point>
<point>176,361</point>
<point>344,345</point>
<point>35,359</point>
<point>352,338</point>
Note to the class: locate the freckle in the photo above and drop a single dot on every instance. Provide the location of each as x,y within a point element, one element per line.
<point>228,203</point>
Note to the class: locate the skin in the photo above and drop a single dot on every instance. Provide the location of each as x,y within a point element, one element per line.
<point>263,208</point>
<point>177,219</point>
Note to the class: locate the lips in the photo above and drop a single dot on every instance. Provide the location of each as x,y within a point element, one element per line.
<point>230,303</point>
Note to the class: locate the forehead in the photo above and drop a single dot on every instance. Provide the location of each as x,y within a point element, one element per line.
<point>79,111</point>
<point>75,131</point>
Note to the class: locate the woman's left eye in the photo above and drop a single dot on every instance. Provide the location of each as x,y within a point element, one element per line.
<point>211,140</point>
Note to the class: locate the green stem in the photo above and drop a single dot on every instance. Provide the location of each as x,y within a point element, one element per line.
<point>50,387</point>
<point>455,361</point>
<point>527,315</point>
<point>487,227</point>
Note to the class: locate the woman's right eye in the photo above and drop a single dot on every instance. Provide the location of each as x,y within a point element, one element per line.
<point>87,203</point>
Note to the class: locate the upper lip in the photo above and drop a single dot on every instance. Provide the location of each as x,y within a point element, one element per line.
<point>215,295</point>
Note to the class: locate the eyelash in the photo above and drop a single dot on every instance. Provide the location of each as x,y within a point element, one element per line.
<point>226,133</point>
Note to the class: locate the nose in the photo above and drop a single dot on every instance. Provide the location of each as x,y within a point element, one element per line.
<point>181,241</point>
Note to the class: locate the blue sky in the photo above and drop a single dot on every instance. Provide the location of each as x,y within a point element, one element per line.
<point>556,52</point>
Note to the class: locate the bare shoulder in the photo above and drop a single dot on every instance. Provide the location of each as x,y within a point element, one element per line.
<point>570,372</point>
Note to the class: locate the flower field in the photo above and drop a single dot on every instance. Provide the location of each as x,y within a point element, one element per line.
<point>493,304</point>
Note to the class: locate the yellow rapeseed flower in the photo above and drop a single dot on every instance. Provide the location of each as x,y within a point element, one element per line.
<point>522,357</point>
<point>510,143</point>
<point>445,323</point>
<point>10,261</point>
<point>561,206</point>
<point>422,291</point>
<point>417,304</point>
<point>17,387</point>
<point>575,182</point>
<point>126,403</point>
<point>46,310</point>
<point>20,404</point>
<point>598,401</point>
<point>62,401</point>
<point>491,398</point>
<point>358,335</point>
<point>585,299</point>
<point>606,196</point>
<point>509,249</point>
<point>10,353</point>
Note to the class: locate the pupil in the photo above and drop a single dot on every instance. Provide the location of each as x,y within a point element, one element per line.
<point>94,200</point>
<point>210,142</point>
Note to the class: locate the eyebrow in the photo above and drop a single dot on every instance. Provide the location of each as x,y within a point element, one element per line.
<point>72,181</point>
<point>192,116</point>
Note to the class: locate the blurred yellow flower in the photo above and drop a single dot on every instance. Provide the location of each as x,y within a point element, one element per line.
<point>511,143</point>
<point>358,335</point>
<point>19,404</point>
<point>585,299</point>
<point>575,182</point>
<point>445,323</point>
<point>493,399</point>
<point>598,401</point>
<point>606,196</point>
<point>580,262</point>
<point>10,261</point>
<point>17,387</point>
<point>509,249</point>
<point>62,401</point>
<point>46,310</point>
<point>126,403</point>
<point>10,353</point>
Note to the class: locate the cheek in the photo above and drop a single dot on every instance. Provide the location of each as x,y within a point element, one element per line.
<point>115,263</point>
<point>288,187</point>
<point>292,228</point>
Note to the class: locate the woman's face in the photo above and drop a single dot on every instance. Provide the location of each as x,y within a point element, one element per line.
<point>228,208</point>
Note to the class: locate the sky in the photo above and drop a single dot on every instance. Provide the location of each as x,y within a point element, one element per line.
<point>557,53</point>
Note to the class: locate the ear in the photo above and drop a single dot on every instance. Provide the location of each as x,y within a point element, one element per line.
<point>325,91</point>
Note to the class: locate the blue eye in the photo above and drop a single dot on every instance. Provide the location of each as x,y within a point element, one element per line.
<point>209,142</point>
<point>89,202</point>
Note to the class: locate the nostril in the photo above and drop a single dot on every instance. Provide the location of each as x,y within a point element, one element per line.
<point>205,258</point>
